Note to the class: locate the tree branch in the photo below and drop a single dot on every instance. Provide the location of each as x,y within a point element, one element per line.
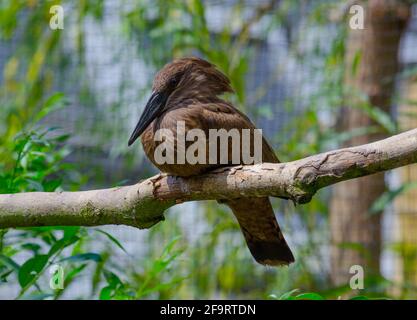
<point>142,205</point>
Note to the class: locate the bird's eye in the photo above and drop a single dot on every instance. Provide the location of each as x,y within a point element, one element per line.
<point>173,82</point>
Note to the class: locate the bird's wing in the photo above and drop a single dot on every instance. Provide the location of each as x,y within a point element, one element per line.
<point>221,115</point>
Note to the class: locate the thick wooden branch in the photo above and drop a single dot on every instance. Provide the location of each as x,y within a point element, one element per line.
<point>143,204</point>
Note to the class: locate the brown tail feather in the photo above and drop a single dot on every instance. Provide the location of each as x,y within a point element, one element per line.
<point>262,233</point>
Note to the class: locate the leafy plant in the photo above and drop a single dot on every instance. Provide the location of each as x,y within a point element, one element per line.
<point>36,163</point>
<point>295,295</point>
<point>151,281</point>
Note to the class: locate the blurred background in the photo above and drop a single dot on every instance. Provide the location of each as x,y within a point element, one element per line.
<point>302,71</point>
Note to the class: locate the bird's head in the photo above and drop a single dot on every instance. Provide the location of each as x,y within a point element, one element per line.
<point>186,77</point>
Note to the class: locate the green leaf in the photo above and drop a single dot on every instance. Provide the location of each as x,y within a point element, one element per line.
<point>9,262</point>
<point>70,232</point>
<point>387,197</point>
<point>106,293</point>
<point>288,295</point>
<point>31,268</point>
<point>383,118</point>
<point>309,296</point>
<point>90,256</point>
<point>359,298</point>
<point>162,286</point>
<point>4,275</point>
<point>112,279</point>
<point>356,62</point>
<point>53,103</point>
<point>62,243</point>
<point>34,247</point>
<point>69,276</point>
<point>113,239</point>
<point>37,296</point>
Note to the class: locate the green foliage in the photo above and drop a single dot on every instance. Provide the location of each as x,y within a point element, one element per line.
<point>34,161</point>
<point>292,295</point>
<point>295,295</point>
<point>152,282</point>
<point>389,196</point>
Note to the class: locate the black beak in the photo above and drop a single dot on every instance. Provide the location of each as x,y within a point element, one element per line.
<point>152,109</point>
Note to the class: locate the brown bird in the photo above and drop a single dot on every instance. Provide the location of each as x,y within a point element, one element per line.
<point>189,90</point>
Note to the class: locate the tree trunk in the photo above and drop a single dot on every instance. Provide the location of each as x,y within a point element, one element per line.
<point>355,233</point>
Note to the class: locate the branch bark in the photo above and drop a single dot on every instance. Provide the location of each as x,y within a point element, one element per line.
<point>142,205</point>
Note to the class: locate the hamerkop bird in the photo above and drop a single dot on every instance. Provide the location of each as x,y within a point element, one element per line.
<point>189,90</point>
